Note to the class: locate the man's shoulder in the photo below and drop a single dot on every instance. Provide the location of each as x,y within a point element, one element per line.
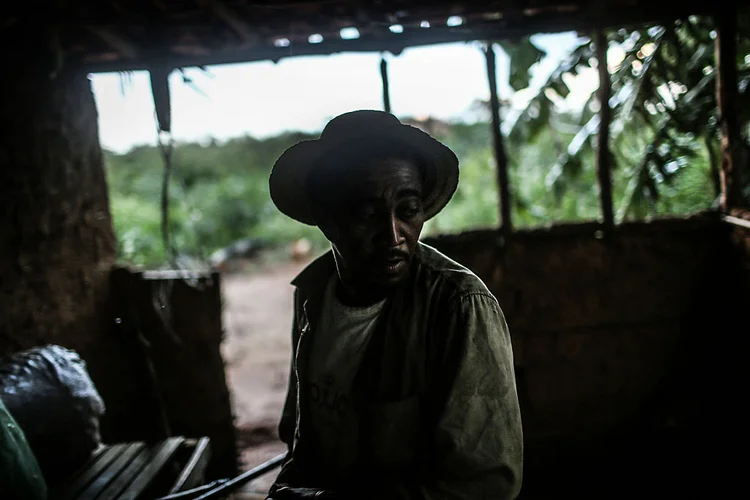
<point>438,268</point>
<point>317,273</point>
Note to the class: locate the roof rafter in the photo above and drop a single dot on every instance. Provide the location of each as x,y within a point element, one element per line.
<point>235,23</point>
<point>110,36</point>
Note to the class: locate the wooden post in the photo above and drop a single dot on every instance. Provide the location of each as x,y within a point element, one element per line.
<point>386,88</point>
<point>163,106</point>
<point>603,167</point>
<point>159,75</point>
<point>501,158</point>
<point>727,101</point>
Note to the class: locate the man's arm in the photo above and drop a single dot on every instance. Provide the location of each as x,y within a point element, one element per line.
<point>478,443</point>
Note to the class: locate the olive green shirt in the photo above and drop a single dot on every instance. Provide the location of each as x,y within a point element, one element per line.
<point>437,409</point>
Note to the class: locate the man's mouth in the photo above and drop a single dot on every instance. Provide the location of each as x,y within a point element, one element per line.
<point>394,264</point>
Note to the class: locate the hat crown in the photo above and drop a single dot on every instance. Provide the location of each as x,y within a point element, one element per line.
<point>357,123</point>
<point>289,186</point>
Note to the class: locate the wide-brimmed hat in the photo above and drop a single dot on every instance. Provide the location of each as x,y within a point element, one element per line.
<point>290,177</point>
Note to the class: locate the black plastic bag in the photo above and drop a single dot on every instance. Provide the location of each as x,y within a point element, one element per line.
<point>52,398</point>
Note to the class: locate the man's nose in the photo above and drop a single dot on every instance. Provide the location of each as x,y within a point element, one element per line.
<point>392,230</point>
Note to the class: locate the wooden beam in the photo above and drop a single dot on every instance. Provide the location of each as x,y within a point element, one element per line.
<point>501,159</point>
<point>386,86</point>
<point>603,154</point>
<point>377,41</point>
<point>122,45</point>
<point>567,15</point>
<point>727,97</point>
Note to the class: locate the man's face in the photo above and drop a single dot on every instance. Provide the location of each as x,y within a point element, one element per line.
<point>374,223</point>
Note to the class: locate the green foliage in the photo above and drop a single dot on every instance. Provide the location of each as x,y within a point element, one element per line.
<point>664,131</point>
<point>523,55</point>
<point>136,220</point>
<point>475,203</point>
<point>218,194</point>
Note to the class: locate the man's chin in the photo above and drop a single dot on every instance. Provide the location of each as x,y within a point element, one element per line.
<point>390,276</point>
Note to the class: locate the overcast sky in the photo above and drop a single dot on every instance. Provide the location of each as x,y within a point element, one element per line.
<point>264,98</point>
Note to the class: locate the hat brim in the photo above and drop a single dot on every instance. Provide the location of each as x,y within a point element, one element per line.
<point>289,180</point>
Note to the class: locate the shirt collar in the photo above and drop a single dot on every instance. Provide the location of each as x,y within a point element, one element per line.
<point>315,276</point>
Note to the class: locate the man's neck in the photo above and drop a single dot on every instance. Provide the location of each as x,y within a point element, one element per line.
<point>358,296</point>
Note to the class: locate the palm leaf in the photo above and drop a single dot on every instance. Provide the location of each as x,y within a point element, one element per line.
<point>523,55</point>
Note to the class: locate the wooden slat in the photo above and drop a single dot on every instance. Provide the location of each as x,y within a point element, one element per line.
<point>195,467</point>
<point>736,221</point>
<point>95,455</point>
<point>131,471</point>
<point>112,472</point>
<point>148,474</point>
<point>173,274</point>
<point>91,470</point>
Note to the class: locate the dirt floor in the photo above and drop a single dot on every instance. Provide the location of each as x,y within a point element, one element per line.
<point>257,350</point>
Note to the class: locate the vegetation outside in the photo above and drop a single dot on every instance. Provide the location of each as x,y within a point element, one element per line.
<point>664,143</point>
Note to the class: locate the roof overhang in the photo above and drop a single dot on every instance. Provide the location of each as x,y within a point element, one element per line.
<point>133,35</point>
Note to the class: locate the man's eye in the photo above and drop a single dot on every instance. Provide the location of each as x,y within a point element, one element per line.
<point>410,210</point>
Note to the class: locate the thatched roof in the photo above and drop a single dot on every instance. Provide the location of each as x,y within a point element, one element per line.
<point>135,34</point>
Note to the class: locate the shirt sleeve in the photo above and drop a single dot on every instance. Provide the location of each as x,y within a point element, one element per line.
<point>288,422</point>
<point>477,444</point>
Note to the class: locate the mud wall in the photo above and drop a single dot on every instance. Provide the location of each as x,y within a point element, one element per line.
<point>57,244</point>
<point>56,236</point>
<point>618,342</point>
<point>57,255</point>
<point>741,242</point>
<point>734,368</point>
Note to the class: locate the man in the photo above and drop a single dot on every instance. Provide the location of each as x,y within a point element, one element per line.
<point>402,383</point>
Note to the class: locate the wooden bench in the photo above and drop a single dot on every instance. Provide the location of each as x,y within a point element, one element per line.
<point>132,471</point>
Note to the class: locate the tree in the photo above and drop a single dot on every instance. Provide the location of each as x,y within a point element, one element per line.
<point>663,106</point>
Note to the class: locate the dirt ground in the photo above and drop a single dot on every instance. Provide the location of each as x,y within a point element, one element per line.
<point>257,350</point>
